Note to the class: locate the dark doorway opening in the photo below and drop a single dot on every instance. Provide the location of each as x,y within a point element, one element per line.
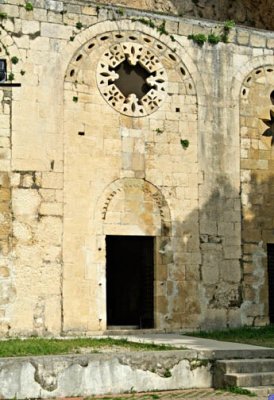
<point>270,265</point>
<point>130,279</point>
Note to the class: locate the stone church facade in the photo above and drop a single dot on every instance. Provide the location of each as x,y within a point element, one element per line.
<point>136,171</point>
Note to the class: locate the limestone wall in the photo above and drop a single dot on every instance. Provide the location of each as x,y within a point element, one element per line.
<point>80,161</point>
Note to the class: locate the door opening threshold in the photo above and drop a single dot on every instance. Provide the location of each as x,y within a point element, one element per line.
<point>122,327</point>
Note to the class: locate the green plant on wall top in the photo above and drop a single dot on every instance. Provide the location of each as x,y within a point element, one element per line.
<point>162,29</point>
<point>159,28</point>
<point>28,6</point>
<point>120,11</point>
<point>213,38</point>
<point>229,24</point>
<point>199,38</point>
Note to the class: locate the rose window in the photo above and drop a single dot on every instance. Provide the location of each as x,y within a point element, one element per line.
<point>132,79</point>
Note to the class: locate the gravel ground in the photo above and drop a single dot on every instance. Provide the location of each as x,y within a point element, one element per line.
<point>208,394</point>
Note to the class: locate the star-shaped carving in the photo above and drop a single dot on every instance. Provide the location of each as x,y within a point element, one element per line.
<point>270,123</point>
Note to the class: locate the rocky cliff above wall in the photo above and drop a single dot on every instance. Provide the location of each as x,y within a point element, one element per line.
<point>256,13</point>
<point>165,6</point>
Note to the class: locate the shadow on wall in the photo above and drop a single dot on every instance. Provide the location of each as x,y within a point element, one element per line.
<point>257,233</point>
<point>217,286</point>
<point>206,260</point>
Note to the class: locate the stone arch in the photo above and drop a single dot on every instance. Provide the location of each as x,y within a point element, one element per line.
<point>134,207</point>
<point>83,40</point>
<point>149,211</point>
<point>147,50</point>
<point>243,73</point>
<point>257,180</point>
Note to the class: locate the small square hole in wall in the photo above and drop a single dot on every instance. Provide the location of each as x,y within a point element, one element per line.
<point>177,109</point>
<point>81,133</point>
<point>3,70</point>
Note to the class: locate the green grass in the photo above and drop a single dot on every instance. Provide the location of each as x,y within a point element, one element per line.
<point>261,336</point>
<point>39,346</point>
<point>239,390</point>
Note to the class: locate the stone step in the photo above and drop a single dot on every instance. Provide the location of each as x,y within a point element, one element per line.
<point>261,390</point>
<point>249,365</point>
<point>249,379</point>
<point>243,354</point>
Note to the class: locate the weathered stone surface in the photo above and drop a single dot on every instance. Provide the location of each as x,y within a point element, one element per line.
<point>67,376</point>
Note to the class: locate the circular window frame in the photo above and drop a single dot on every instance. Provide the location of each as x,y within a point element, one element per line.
<point>134,53</point>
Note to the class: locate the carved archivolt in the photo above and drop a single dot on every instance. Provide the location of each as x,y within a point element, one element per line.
<point>260,75</point>
<point>259,84</point>
<point>140,52</point>
<point>133,53</point>
<point>126,184</point>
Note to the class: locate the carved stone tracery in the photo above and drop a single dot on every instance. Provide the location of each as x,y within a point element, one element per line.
<point>132,53</point>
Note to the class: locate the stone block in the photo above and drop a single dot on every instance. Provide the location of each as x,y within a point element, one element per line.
<point>27,180</point>
<point>22,232</point>
<point>208,226</point>
<point>54,17</point>
<point>234,318</point>
<point>55,31</point>
<point>214,319</point>
<point>51,209</point>
<point>257,40</point>
<point>4,180</point>
<point>261,321</point>
<point>40,14</point>
<point>48,195</point>
<point>89,10</point>
<point>171,26</point>
<point>52,180</point>
<point>243,37</point>
<point>230,271</point>
<point>270,43</point>
<point>49,230</point>
<point>210,274</point>
<point>232,252</point>
<point>192,272</point>
<point>25,202</point>
<point>29,27</point>
<point>12,10</point>
<point>54,5</point>
<point>253,310</point>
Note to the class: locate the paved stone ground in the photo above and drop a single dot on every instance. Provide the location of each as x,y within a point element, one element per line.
<point>208,394</point>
